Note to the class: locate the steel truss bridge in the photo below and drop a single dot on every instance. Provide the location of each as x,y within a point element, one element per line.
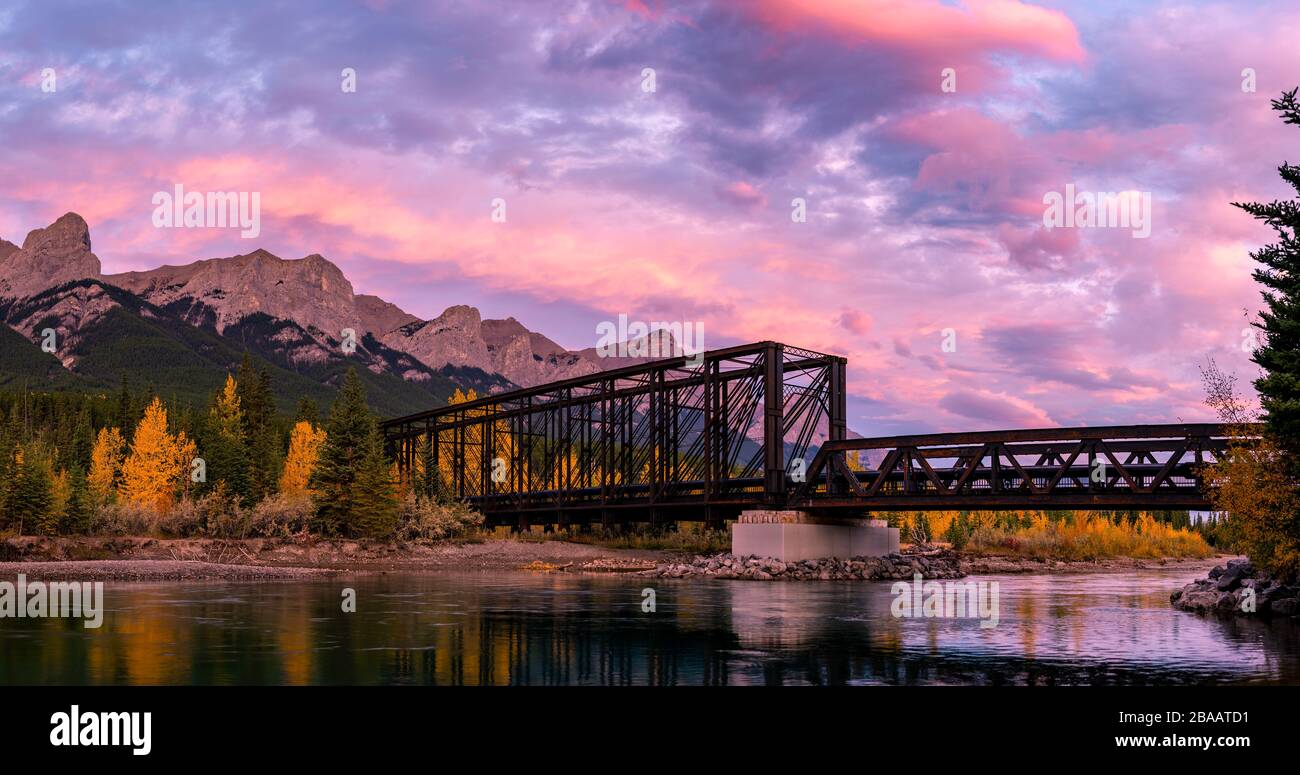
<point>763,426</point>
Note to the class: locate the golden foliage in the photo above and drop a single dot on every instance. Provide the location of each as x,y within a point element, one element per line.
<point>305,443</point>
<point>105,463</point>
<point>1091,537</point>
<point>1250,484</point>
<point>159,462</point>
<point>226,410</point>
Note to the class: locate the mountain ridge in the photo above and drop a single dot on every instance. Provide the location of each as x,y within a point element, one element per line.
<point>300,314</point>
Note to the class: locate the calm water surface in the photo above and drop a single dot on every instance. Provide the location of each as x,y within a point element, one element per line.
<point>518,628</point>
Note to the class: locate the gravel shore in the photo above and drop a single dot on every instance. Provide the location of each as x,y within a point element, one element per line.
<point>147,559</point>
<point>151,570</point>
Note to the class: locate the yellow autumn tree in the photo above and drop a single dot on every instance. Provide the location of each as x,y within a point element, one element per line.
<point>304,447</point>
<point>226,413</point>
<point>158,464</point>
<point>105,463</point>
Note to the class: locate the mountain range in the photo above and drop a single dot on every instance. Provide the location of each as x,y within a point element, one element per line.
<point>184,327</point>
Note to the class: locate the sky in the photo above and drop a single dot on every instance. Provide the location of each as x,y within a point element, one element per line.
<point>649,155</point>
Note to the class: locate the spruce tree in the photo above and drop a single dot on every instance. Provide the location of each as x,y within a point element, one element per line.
<point>32,500</point>
<point>306,411</point>
<point>83,440</point>
<point>124,414</point>
<point>374,506</point>
<point>1279,351</point>
<point>257,407</point>
<point>350,431</point>
<point>8,476</point>
<point>222,446</point>
<point>79,514</point>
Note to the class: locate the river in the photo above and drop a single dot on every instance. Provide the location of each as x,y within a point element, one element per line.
<point>521,628</point>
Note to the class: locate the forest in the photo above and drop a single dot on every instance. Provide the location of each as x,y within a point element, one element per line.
<point>136,463</point>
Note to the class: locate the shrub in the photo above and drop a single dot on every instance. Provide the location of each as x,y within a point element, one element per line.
<point>425,519</point>
<point>280,516</point>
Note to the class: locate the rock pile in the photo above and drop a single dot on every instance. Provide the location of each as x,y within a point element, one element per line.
<point>1236,588</point>
<point>935,565</point>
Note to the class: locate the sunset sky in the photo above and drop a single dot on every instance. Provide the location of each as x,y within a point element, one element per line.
<point>925,207</point>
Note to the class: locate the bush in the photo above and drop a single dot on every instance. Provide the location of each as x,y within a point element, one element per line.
<point>123,519</point>
<point>426,519</point>
<point>280,516</point>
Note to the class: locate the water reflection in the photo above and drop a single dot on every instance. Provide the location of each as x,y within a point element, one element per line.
<point>515,628</point>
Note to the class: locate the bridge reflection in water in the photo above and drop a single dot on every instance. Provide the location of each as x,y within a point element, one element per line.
<point>516,628</point>
<point>763,425</point>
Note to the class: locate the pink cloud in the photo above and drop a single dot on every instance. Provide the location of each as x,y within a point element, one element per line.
<point>961,32</point>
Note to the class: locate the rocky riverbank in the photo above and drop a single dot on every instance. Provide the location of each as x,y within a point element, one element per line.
<point>939,564</point>
<point>1239,588</point>
<point>932,562</point>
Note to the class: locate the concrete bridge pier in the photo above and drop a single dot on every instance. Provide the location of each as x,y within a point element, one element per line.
<point>791,536</point>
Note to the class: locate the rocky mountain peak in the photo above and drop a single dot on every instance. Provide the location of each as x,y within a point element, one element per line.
<point>69,234</point>
<point>311,291</point>
<point>50,256</point>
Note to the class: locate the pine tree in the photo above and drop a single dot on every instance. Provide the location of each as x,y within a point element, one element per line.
<point>223,450</point>
<point>1255,482</point>
<point>307,411</point>
<point>376,499</point>
<point>79,513</point>
<point>124,416</point>
<point>83,440</point>
<point>1279,352</point>
<point>31,502</point>
<point>257,405</point>
<point>351,470</point>
<point>8,473</point>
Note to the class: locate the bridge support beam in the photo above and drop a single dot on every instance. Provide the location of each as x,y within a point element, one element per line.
<point>792,536</point>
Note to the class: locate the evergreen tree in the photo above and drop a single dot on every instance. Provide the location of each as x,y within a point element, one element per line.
<point>1279,352</point>
<point>83,440</point>
<point>350,482</point>
<point>307,412</point>
<point>223,448</point>
<point>257,405</point>
<point>8,477</point>
<point>32,500</point>
<point>79,514</point>
<point>375,504</point>
<point>124,416</point>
